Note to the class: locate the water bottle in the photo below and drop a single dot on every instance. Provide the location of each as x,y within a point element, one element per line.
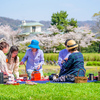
<point>1,77</point>
<point>91,77</point>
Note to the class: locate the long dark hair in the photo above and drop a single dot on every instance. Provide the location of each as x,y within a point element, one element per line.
<point>3,45</point>
<point>9,55</point>
<point>74,49</point>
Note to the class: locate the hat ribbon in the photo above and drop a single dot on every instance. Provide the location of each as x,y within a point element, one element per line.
<point>71,45</point>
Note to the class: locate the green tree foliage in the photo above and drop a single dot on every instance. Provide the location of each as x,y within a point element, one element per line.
<point>60,20</point>
<point>94,47</point>
<point>60,47</point>
<point>96,18</point>
<point>72,22</point>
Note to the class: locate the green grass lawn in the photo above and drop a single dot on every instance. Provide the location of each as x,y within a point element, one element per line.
<point>49,69</point>
<point>51,91</point>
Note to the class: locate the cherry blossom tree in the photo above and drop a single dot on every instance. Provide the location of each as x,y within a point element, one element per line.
<point>8,34</point>
<point>83,36</point>
<point>47,41</point>
<point>53,29</point>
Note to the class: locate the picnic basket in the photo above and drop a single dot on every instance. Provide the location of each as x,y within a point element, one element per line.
<point>24,75</point>
<point>79,79</point>
<point>35,76</point>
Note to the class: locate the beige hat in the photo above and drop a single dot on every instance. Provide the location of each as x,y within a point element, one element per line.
<point>71,44</point>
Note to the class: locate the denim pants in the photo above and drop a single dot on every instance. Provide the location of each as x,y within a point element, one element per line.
<point>30,72</point>
<point>61,71</point>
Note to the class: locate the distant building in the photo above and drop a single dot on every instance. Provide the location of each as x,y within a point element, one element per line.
<point>29,29</point>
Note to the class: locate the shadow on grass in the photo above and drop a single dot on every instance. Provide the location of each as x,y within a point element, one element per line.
<point>97,82</point>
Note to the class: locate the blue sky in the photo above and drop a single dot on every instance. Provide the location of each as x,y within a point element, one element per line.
<point>37,10</point>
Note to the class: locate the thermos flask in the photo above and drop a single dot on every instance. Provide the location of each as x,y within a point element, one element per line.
<point>91,77</point>
<point>1,77</point>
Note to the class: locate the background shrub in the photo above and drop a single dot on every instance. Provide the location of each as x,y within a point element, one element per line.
<point>93,63</point>
<point>54,56</point>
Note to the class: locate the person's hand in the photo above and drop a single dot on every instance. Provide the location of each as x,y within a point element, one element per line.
<point>62,61</point>
<point>39,66</point>
<point>66,59</point>
<point>21,63</point>
<point>10,72</point>
<point>5,73</point>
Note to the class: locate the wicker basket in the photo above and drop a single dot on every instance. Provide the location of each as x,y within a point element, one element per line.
<point>80,79</point>
<point>24,75</point>
<point>99,76</point>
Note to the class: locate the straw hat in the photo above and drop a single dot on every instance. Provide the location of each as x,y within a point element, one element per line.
<point>71,44</point>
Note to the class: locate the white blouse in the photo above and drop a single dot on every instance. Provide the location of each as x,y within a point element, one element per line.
<point>3,64</point>
<point>13,67</point>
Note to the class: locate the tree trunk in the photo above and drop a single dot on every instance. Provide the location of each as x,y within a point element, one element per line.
<point>79,47</point>
<point>12,40</point>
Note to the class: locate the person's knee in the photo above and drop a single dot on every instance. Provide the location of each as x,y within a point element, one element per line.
<point>41,72</point>
<point>29,75</point>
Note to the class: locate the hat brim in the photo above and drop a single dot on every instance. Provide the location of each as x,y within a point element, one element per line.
<point>68,48</point>
<point>34,46</point>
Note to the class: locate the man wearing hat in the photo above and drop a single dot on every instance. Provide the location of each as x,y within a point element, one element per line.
<point>74,63</point>
<point>34,57</point>
<point>63,55</point>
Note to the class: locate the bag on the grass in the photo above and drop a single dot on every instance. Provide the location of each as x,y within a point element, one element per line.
<point>65,78</point>
<point>24,75</point>
<point>53,76</point>
<point>81,79</point>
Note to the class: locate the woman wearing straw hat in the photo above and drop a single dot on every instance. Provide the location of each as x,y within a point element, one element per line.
<point>74,63</point>
<point>34,57</point>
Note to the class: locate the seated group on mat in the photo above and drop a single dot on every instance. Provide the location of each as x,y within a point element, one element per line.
<point>70,60</point>
<point>9,63</point>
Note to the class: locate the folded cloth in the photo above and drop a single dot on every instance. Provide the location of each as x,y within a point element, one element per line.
<point>10,82</point>
<point>30,83</point>
<point>11,77</point>
<point>65,78</point>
